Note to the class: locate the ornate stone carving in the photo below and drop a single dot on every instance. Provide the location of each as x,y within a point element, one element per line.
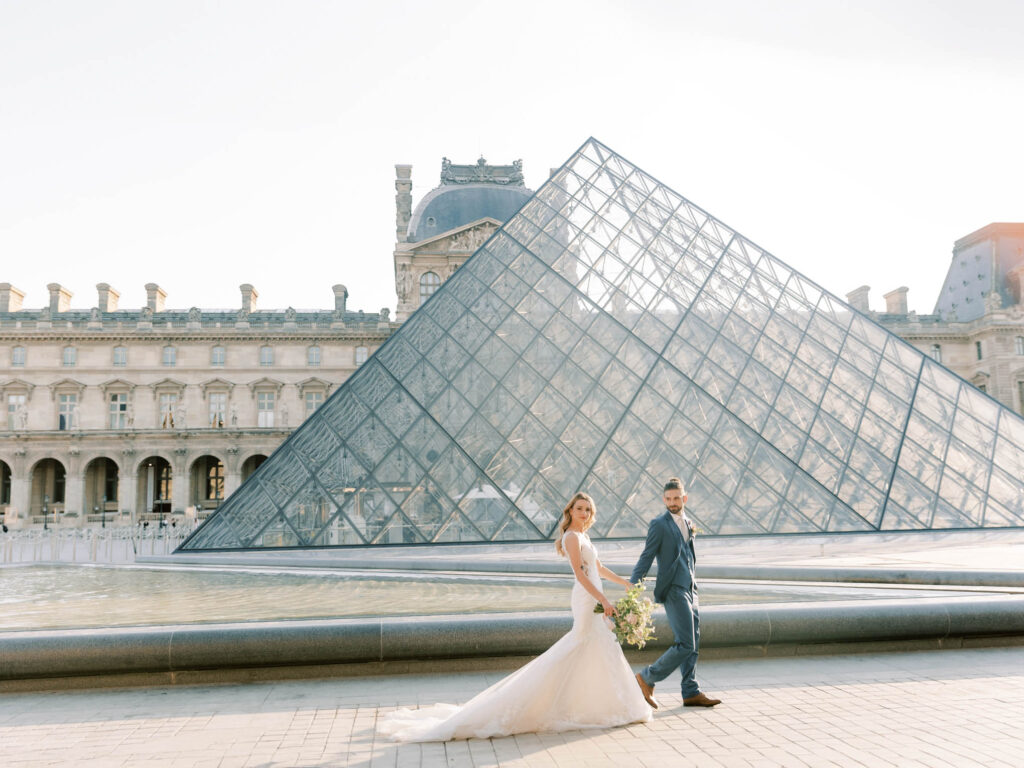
<point>404,282</point>
<point>385,315</point>
<point>195,315</point>
<point>289,314</point>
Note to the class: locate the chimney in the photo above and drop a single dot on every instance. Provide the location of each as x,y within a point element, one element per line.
<point>340,297</point>
<point>249,296</point>
<point>858,298</point>
<point>107,297</point>
<point>10,298</point>
<point>60,298</point>
<point>403,201</point>
<point>155,297</point>
<point>896,301</point>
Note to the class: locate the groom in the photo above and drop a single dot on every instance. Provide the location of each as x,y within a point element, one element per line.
<point>670,539</point>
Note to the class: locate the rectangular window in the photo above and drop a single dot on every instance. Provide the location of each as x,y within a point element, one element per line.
<point>16,412</point>
<point>18,356</point>
<point>218,409</point>
<point>264,409</point>
<point>170,357</point>
<point>313,357</point>
<point>67,410</point>
<point>361,355</point>
<point>937,353</point>
<point>977,349</point>
<point>1018,345</point>
<point>217,356</point>
<point>313,401</point>
<point>266,356</point>
<point>69,357</point>
<point>110,484</point>
<point>119,410</point>
<point>1020,396</point>
<point>120,357</point>
<point>168,400</point>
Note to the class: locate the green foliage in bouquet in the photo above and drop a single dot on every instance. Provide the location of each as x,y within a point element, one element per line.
<point>633,623</point>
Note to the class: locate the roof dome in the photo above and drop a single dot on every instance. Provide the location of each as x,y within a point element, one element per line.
<point>469,193</point>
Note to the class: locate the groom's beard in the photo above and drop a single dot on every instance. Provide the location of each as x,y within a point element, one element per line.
<point>675,509</point>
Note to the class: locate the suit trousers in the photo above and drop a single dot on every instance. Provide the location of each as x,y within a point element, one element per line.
<point>684,619</point>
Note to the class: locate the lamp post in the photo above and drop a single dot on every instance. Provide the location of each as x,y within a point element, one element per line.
<point>103,513</point>
<point>46,504</point>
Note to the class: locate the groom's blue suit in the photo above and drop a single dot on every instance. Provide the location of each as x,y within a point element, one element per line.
<point>676,588</point>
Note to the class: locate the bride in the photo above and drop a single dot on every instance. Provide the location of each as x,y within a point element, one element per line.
<point>582,681</point>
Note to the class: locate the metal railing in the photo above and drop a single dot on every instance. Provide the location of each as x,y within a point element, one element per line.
<point>119,545</point>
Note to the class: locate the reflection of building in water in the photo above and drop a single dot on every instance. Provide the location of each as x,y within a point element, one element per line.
<point>977,326</point>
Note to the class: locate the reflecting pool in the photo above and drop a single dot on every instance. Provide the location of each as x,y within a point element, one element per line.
<point>70,596</point>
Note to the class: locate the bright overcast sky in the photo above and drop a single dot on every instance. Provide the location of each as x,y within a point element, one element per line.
<point>200,145</point>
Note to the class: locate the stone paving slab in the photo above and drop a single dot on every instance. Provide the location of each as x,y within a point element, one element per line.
<point>930,708</point>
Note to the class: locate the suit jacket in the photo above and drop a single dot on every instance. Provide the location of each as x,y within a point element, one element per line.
<point>665,542</point>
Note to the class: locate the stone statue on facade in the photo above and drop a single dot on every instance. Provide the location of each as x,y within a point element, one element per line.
<point>993,301</point>
<point>289,314</point>
<point>404,282</point>
<point>284,414</point>
<point>94,315</point>
<point>22,415</point>
<point>234,415</point>
<point>179,417</point>
<point>195,315</point>
<point>146,313</point>
<point>385,315</point>
<point>447,177</point>
<point>130,416</point>
<point>516,177</point>
<point>242,315</point>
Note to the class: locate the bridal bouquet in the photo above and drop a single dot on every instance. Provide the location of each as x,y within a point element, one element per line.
<point>633,622</point>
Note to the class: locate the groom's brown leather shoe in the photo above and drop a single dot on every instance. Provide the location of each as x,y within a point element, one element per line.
<point>647,691</point>
<point>700,700</point>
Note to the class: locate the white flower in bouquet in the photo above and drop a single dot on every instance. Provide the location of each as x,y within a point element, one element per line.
<point>633,623</point>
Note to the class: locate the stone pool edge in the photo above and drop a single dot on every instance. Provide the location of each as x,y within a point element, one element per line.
<point>336,647</point>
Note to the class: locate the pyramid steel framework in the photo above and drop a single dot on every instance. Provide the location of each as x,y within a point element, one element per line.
<point>610,335</point>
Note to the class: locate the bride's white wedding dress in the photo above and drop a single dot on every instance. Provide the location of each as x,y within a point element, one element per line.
<point>582,681</point>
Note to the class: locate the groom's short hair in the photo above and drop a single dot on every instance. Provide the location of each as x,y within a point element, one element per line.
<point>673,484</point>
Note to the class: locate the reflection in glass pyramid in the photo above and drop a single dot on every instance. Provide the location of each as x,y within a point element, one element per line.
<point>611,335</point>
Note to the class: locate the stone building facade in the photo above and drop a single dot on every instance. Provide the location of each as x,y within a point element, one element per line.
<point>119,416</point>
<point>449,223</point>
<point>977,326</point>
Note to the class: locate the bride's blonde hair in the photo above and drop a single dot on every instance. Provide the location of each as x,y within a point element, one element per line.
<point>567,518</point>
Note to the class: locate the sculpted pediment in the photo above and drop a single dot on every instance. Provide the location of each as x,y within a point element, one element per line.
<point>465,239</point>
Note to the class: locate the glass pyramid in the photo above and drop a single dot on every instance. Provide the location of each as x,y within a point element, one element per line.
<point>610,335</point>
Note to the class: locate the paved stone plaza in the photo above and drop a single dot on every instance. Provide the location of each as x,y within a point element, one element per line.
<point>928,708</point>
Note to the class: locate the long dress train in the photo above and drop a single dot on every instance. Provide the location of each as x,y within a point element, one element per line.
<point>582,681</point>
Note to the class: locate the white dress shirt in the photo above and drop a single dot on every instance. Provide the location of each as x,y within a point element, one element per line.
<point>680,520</point>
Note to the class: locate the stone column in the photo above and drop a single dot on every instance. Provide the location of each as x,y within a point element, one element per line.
<point>74,488</point>
<point>21,487</point>
<point>403,201</point>
<point>127,489</point>
<point>179,490</point>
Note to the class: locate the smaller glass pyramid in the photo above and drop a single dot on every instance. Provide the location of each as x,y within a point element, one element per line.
<point>610,335</point>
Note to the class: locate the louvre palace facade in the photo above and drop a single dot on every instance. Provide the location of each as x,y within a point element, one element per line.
<point>116,415</point>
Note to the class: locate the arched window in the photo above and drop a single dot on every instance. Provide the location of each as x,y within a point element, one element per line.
<point>1018,345</point>
<point>313,356</point>
<point>937,353</point>
<point>429,283</point>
